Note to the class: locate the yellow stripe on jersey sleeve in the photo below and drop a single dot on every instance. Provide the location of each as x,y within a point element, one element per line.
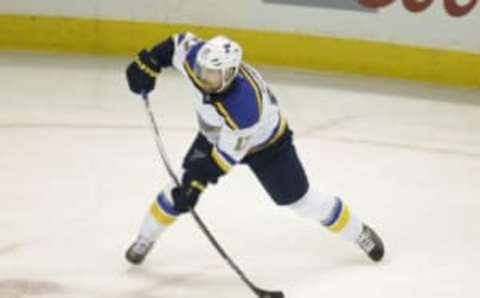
<point>228,119</point>
<point>145,68</point>
<point>196,81</point>
<point>281,131</point>
<point>222,163</point>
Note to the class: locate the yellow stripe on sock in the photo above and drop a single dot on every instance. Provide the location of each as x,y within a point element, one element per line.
<point>343,221</point>
<point>161,216</point>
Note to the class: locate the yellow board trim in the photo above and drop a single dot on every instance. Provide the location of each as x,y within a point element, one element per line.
<point>161,216</point>
<point>110,37</point>
<point>342,221</point>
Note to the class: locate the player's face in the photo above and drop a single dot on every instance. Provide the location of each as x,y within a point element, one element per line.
<point>212,79</point>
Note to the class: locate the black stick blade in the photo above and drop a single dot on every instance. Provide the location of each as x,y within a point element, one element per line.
<point>269,294</point>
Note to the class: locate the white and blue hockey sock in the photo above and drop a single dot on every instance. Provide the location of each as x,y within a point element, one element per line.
<point>331,211</point>
<point>160,216</point>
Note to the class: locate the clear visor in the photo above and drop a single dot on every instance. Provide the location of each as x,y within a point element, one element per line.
<point>214,80</point>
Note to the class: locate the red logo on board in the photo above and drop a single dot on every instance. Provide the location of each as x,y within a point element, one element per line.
<point>452,7</point>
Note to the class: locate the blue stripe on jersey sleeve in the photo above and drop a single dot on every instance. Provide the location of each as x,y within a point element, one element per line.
<point>192,54</point>
<point>227,157</point>
<point>181,37</point>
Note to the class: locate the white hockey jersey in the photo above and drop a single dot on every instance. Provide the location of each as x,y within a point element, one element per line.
<point>244,120</point>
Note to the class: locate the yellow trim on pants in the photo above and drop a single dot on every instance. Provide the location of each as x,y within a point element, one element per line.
<point>281,131</point>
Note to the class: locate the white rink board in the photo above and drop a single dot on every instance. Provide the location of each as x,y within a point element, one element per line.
<point>393,24</point>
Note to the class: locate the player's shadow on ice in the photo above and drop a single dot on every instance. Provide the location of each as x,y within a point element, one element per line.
<point>18,288</point>
<point>162,282</point>
<point>11,248</point>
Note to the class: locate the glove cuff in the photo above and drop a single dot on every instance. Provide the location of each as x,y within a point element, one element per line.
<point>146,64</point>
<point>198,185</point>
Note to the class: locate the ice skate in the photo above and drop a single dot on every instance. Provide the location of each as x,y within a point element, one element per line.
<point>138,251</point>
<point>371,243</point>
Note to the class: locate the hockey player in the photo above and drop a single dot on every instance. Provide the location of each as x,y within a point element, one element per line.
<point>239,123</point>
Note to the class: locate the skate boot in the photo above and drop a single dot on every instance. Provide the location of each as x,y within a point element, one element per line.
<point>137,252</point>
<point>371,243</point>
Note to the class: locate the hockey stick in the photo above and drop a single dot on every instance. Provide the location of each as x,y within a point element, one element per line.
<point>161,149</point>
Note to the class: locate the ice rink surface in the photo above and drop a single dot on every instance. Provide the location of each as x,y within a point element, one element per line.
<point>79,169</point>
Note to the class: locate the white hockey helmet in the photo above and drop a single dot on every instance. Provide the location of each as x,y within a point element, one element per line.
<point>217,63</point>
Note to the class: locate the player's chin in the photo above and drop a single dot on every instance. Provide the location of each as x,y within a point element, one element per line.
<point>211,90</point>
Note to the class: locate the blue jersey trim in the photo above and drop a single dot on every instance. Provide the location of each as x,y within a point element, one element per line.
<point>222,160</point>
<point>181,37</point>
<point>270,137</point>
<point>240,107</point>
<point>189,65</point>
<point>192,54</point>
<point>230,159</point>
